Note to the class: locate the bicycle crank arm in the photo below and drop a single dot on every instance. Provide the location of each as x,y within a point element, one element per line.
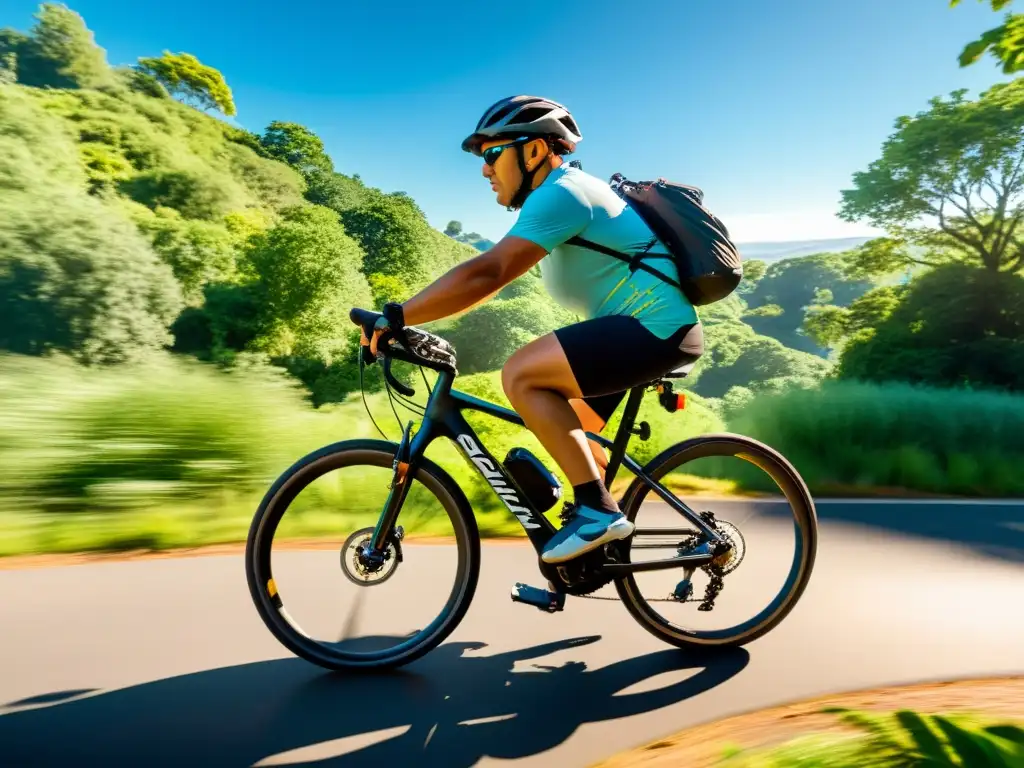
<point>683,561</point>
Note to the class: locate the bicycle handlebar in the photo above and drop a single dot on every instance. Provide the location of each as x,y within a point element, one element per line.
<point>366,319</point>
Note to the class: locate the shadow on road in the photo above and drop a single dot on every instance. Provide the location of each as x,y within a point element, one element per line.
<point>273,712</point>
<point>994,530</point>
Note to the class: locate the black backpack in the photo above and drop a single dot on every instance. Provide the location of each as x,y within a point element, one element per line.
<point>707,260</point>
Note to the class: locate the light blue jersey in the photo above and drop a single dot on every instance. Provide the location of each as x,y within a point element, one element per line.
<point>570,202</point>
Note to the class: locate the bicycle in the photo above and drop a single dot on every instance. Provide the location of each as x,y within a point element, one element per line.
<point>374,554</point>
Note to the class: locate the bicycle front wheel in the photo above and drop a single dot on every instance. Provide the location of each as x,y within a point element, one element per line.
<point>757,500</point>
<point>305,546</point>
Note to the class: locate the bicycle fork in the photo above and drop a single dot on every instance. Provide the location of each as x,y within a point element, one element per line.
<point>399,489</point>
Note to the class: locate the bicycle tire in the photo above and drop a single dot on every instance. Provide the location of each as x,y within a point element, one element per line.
<point>799,497</point>
<point>275,502</point>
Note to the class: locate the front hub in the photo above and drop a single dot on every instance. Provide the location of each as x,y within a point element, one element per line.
<point>366,567</point>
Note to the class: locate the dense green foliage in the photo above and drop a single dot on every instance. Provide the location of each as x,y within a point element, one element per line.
<point>133,222</point>
<point>949,190</point>
<point>75,275</point>
<point>736,356</point>
<point>212,443</point>
<point>849,436</point>
<point>792,285</point>
<point>957,326</point>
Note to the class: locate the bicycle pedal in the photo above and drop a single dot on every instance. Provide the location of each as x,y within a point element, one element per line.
<point>549,602</point>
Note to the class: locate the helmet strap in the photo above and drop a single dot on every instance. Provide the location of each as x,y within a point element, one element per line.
<point>526,187</point>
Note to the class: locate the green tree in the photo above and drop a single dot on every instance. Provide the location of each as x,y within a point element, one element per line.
<point>188,79</point>
<point>957,325</point>
<point>486,336</point>
<point>949,187</point>
<point>199,252</point>
<point>308,275</point>
<point>338,192</point>
<point>11,43</point>
<point>196,194</point>
<point>753,271</point>
<point>735,355</point>
<point>781,297</point>
<point>79,279</point>
<point>228,321</point>
<point>1005,42</point>
<point>8,69</point>
<point>297,146</point>
<point>830,325</point>
<point>454,229</point>
<point>392,233</point>
<point>60,52</point>
<point>142,82</point>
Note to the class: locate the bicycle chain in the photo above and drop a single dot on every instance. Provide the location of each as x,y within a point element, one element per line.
<point>715,572</point>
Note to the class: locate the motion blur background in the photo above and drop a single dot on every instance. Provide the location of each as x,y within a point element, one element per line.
<point>192,198</point>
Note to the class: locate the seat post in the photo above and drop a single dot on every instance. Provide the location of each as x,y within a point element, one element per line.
<point>636,394</point>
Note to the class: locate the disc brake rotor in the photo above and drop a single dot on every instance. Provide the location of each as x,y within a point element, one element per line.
<point>366,568</point>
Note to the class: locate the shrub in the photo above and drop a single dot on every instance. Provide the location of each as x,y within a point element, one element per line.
<point>78,278</point>
<point>848,435</point>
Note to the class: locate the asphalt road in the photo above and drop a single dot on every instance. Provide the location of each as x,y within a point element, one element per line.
<point>165,662</point>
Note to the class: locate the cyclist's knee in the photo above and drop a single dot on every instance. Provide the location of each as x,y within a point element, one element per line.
<point>517,371</point>
<point>508,380</point>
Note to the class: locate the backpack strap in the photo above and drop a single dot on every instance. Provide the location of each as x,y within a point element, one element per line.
<point>635,262</point>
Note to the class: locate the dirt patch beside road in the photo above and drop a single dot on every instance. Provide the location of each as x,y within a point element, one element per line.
<point>702,745</point>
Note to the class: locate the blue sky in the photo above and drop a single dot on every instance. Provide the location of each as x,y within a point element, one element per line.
<point>769,106</point>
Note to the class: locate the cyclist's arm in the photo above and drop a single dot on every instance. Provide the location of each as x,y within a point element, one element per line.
<point>552,215</point>
<point>474,281</point>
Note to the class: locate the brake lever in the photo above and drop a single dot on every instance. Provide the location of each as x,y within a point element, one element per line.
<point>407,391</point>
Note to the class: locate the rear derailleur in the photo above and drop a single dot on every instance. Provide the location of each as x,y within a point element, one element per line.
<point>727,556</point>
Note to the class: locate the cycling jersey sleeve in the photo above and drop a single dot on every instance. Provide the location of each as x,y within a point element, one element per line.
<point>551,215</point>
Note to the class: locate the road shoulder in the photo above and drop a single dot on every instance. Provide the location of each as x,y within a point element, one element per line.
<point>702,746</point>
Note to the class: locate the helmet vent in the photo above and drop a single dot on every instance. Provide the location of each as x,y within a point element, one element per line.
<point>511,106</point>
<point>530,114</point>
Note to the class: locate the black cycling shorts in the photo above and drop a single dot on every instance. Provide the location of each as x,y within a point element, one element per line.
<point>610,355</point>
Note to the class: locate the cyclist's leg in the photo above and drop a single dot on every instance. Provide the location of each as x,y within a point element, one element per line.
<point>594,413</point>
<point>573,363</point>
<point>539,384</point>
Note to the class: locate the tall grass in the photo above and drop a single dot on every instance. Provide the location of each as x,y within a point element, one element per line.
<point>161,453</point>
<point>170,452</point>
<point>854,437</point>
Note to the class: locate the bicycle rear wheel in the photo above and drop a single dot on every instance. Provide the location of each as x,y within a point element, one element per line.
<point>342,508</point>
<point>792,501</point>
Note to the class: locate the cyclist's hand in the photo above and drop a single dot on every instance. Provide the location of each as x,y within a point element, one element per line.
<point>379,327</point>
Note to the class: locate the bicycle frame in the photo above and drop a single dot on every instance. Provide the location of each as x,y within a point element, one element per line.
<point>443,418</point>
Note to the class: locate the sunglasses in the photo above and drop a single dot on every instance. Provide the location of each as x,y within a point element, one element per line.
<point>491,155</point>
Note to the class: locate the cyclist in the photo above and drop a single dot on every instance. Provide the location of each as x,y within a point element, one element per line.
<point>637,327</point>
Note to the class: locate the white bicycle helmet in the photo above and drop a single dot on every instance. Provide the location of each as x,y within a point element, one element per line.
<point>531,116</point>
